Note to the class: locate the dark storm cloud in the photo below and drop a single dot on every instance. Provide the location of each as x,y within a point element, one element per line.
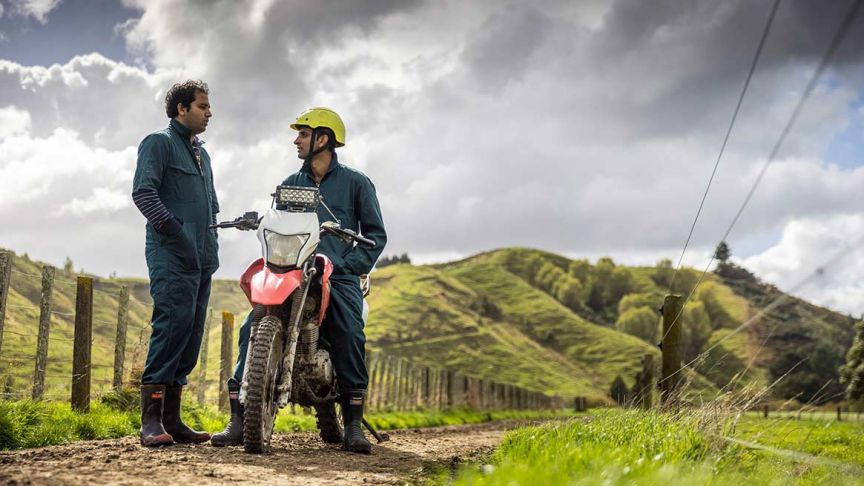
<point>502,47</point>
<point>701,51</point>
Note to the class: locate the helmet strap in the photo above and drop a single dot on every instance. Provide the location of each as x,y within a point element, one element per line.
<point>313,152</point>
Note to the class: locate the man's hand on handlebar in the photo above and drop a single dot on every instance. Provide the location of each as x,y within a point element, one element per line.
<point>347,235</point>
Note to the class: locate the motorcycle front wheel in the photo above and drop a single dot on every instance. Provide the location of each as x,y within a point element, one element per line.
<point>261,377</point>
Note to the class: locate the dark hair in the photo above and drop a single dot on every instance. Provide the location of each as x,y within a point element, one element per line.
<point>183,93</point>
<point>331,137</point>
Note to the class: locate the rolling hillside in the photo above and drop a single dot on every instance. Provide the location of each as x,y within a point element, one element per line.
<point>526,317</point>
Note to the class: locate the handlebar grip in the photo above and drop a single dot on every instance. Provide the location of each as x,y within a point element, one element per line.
<point>364,241</point>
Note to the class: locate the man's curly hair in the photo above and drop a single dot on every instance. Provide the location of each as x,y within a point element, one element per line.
<point>183,93</point>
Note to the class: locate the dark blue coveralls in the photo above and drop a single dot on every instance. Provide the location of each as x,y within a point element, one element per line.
<point>351,197</point>
<point>180,265</point>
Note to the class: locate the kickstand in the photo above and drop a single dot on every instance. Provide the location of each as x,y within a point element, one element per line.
<point>379,437</point>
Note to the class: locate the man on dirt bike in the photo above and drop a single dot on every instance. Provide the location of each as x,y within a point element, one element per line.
<point>351,197</point>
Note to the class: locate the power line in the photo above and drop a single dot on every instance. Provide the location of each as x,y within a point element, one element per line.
<point>842,30</point>
<point>756,57</point>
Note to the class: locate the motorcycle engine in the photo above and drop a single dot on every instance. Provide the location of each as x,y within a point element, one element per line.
<point>321,372</point>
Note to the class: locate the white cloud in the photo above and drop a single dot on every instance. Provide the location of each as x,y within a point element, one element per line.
<point>822,253</point>
<point>591,134</point>
<point>38,9</point>
<point>102,200</point>
<point>13,122</point>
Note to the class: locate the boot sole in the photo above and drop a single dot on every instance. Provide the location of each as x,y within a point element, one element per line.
<point>157,441</point>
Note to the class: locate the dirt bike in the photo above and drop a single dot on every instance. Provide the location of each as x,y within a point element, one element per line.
<point>289,289</point>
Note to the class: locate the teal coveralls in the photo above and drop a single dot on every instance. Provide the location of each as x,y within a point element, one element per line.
<point>180,265</point>
<point>351,197</point>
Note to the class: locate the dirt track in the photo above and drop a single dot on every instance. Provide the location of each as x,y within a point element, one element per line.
<point>295,459</point>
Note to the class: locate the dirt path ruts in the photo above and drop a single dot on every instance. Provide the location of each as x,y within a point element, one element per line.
<point>295,459</point>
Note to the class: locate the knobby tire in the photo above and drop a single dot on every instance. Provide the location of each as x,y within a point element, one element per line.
<point>260,408</point>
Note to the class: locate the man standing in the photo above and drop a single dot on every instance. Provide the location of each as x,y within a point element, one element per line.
<point>173,189</point>
<point>351,197</point>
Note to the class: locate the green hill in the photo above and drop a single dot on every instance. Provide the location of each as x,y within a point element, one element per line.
<point>519,316</point>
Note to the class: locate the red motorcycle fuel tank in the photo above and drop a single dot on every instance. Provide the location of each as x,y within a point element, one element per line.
<point>265,287</point>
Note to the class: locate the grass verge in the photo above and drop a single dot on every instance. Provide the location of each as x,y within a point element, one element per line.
<point>25,424</point>
<point>632,447</point>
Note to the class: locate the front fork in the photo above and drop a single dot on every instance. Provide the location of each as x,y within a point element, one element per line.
<point>298,300</point>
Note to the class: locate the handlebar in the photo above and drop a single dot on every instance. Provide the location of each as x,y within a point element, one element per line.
<point>346,234</point>
<point>250,221</point>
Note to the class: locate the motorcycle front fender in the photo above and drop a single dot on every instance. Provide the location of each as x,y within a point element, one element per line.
<point>262,286</point>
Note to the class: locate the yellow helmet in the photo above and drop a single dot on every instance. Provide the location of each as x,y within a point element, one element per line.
<point>319,116</point>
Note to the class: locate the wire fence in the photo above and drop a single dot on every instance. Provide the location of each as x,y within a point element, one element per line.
<point>395,382</point>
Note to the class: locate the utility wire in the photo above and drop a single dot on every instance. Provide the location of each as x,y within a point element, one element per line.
<point>756,57</point>
<point>842,30</point>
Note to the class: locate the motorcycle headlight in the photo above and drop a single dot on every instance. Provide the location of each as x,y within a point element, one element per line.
<point>284,250</point>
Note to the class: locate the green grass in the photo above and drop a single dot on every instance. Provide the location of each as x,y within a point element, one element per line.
<point>25,424</point>
<point>632,447</point>
<point>821,436</point>
<point>37,424</point>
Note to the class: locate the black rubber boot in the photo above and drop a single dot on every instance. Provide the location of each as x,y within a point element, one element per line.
<point>152,433</point>
<point>352,415</point>
<point>173,424</point>
<point>328,423</point>
<point>233,433</point>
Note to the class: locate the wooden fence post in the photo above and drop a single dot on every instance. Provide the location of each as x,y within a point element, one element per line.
<point>370,376</point>
<point>839,411</point>
<point>672,373</point>
<point>378,398</point>
<point>387,382</point>
<point>5,285</point>
<point>120,340</point>
<point>202,359</point>
<point>765,411</point>
<point>44,330</point>
<point>83,344</point>
<point>226,362</point>
<point>427,387</point>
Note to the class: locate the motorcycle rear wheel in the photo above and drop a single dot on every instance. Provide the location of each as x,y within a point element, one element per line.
<point>261,377</point>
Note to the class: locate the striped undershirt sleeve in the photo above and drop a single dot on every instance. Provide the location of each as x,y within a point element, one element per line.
<point>148,202</point>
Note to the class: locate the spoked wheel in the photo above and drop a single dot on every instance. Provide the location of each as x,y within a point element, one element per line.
<point>264,363</point>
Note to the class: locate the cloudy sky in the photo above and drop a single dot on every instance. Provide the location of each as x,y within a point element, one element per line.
<point>584,128</point>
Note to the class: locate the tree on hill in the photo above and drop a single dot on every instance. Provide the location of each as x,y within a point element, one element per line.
<point>68,266</point>
<point>618,391</point>
<point>663,272</point>
<point>641,322</point>
<point>695,329</point>
<point>852,373</point>
<point>392,260</point>
<point>722,252</point>
<point>808,372</point>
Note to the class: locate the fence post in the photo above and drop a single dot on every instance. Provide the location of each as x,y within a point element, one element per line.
<point>120,340</point>
<point>83,344</point>
<point>839,411</point>
<point>765,411</point>
<point>671,352</point>
<point>370,376</point>
<point>44,330</point>
<point>5,278</point>
<point>226,362</point>
<point>646,386</point>
<point>379,380</point>
<point>202,363</point>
